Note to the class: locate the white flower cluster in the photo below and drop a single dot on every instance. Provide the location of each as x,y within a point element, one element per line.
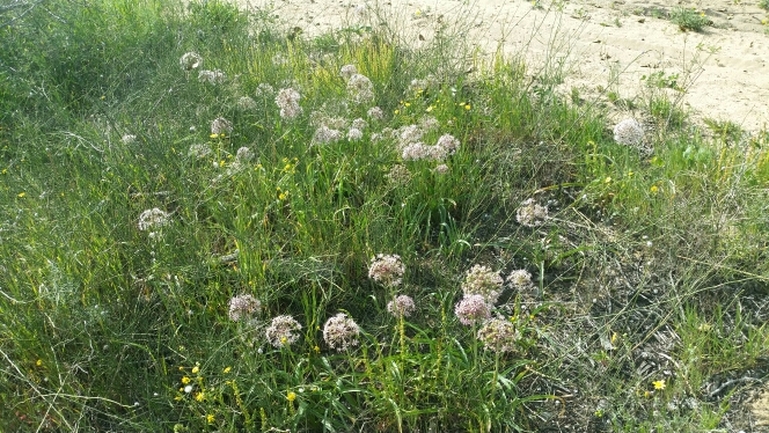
<point>348,71</point>
<point>401,306</point>
<point>481,280</point>
<point>531,214</point>
<point>375,113</point>
<point>399,175</point>
<point>264,90</point>
<point>244,307</point>
<point>326,135</point>
<point>283,331</point>
<point>413,149</point>
<point>341,332</point>
<point>128,139</point>
<point>246,103</point>
<point>520,279</point>
<point>288,102</point>
<point>629,132</point>
<point>359,87</point>
<point>220,125</point>
<point>199,151</point>
<point>153,219</point>
<point>387,269</point>
<point>472,309</point>
<point>212,77</point>
<point>498,335</point>
<point>190,61</point>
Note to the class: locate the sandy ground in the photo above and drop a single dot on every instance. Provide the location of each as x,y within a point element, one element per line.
<point>603,46</point>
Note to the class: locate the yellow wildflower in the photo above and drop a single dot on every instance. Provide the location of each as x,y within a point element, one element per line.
<point>210,418</point>
<point>200,396</point>
<point>186,380</point>
<point>291,396</point>
<point>659,384</point>
<point>227,370</point>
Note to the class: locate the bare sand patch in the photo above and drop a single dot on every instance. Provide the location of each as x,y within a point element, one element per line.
<point>602,46</point>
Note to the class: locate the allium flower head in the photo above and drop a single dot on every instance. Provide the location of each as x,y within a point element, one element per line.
<point>409,134</point>
<point>415,151</point>
<point>153,218</point>
<point>348,71</point>
<point>288,102</point>
<point>283,331</point>
<point>428,123</point>
<point>190,61</point>
<point>354,134</point>
<point>244,307</point>
<point>326,135</point>
<point>498,335</point>
<point>441,169</point>
<point>399,175</point>
<point>359,123</point>
<point>375,113</point>
<point>246,103</point>
<point>520,279</point>
<point>264,90</point>
<point>212,77</point>
<point>629,132</point>
<point>199,151</point>
<point>481,280</point>
<point>360,89</point>
<point>448,142</point>
<point>220,125</point>
<point>128,139</point>
<point>401,306</point>
<point>472,309</point>
<point>387,269</point>
<point>531,214</point>
<point>341,332</point>
<point>244,154</point>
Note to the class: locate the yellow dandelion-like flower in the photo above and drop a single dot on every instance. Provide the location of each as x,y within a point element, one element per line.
<point>214,136</point>
<point>659,384</point>
<point>210,418</point>
<point>21,194</point>
<point>39,363</point>
<point>468,107</point>
<point>186,380</point>
<point>291,396</point>
<point>227,370</point>
<point>654,189</point>
<point>200,396</point>
<point>196,369</point>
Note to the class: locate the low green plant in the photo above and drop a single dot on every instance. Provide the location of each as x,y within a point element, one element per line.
<point>689,19</point>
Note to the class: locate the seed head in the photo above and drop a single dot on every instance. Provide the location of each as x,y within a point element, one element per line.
<point>401,306</point>
<point>481,280</point>
<point>244,307</point>
<point>341,332</point>
<point>498,335</point>
<point>472,309</point>
<point>387,269</point>
<point>283,331</point>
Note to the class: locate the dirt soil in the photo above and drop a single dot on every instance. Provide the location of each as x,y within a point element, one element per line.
<point>604,47</point>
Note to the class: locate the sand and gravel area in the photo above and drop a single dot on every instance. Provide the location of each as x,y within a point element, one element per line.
<point>602,47</point>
